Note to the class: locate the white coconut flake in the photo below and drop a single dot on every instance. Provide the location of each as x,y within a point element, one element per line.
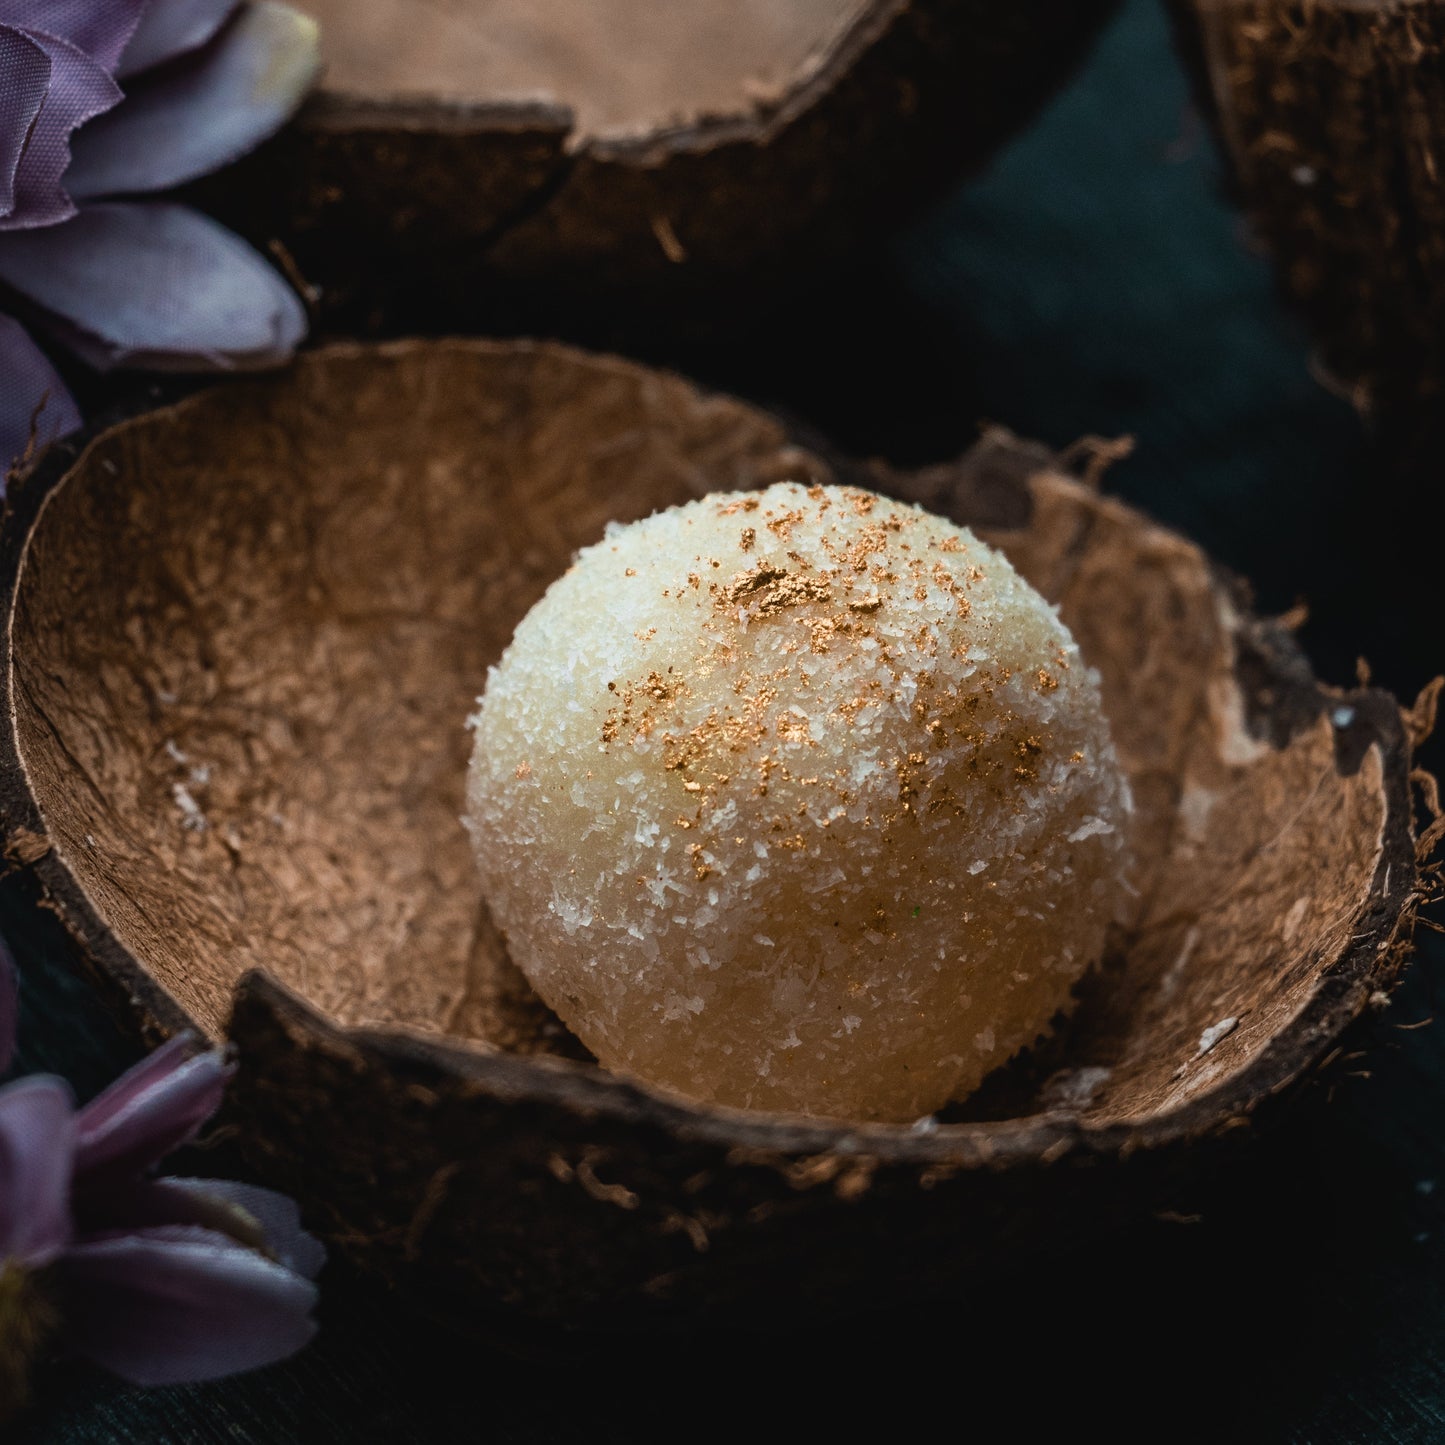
<point>1075,1088</point>
<point>1215,1034</point>
<point>193,819</point>
<point>1092,828</point>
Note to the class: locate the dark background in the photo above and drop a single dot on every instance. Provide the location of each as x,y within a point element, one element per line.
<point>1094,282</point>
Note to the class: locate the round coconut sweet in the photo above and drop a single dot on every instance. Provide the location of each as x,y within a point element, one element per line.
<point>1332,117</point>
<point>629,165</point>
<point>241,636</point>
<point>800,799</point>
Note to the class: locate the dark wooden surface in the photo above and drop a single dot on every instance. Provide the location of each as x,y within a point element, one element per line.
<point>1094,282</point>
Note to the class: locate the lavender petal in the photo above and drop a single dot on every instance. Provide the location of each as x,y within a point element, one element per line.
<point>37,1127</point>
<point>24,80</point>
<point>80,89</point>
<point>154,1069</point>
<point>35,410</point>
<point>170,28</point>
<point>195,119</point>
<point>159,286</point>
<point>164,1306</point>
<point>155,1108</point>
<point>261,1220</point>
<point>101,28</point>
<point>9,979</point>
<point>278,1215</point>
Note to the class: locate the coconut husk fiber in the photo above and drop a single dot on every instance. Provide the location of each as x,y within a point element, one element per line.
<point>1331,114</point>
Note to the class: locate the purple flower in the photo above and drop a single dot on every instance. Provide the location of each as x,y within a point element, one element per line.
<point>9,1008</point>
<point>159,1280</point>
<point>107,99</point>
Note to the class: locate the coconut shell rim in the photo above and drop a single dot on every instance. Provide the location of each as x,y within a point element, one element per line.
<point>1339,997</point>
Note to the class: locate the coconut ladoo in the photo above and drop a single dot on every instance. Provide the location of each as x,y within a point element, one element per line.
<point>799,800</point>
<point>629,166</point>
<point>1332,116</point>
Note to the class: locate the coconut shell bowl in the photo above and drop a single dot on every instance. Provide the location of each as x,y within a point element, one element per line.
<point>243,633</point>
<point>630,166</point>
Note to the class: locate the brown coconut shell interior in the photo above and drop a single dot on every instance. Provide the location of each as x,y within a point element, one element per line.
<point>247,631</point>
<point>624,68</point>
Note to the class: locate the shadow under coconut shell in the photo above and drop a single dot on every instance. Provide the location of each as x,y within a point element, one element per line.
<point>245,633</point>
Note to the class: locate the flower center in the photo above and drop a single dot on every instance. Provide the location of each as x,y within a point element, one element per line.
<point>27,1320</point>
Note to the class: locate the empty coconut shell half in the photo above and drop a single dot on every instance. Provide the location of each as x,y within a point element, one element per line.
<point>243,634</point>
<point>1331,114</point>
<point>626,163</point>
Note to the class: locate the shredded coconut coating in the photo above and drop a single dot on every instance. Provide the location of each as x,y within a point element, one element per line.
<point>799,800</point>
